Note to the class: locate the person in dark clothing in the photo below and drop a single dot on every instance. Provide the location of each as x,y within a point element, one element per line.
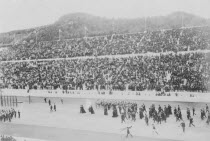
<point>54,107</point>
<point>191,122</point>
<point>51,108</point>
<point>146,120</point>
<point>208,119</point>
<point>114,113</point>
<point>91,110</point>
<point>175,111</point>
<point>82,110</point>
<point>123,117</point>
<point>128,132</point>
<point>18,114</point>
<point>178,108</point>
<point>45,100</point>
<point>105,111</point>
<point>15,113</point>
<point>207,108</point>
<point>193,111</point>
<point>49,102</point>
<point>141,113</point>
<point>188,113</point>
<point>169,109</point>
<point>159,109</point>
<point>154,129</point>
<point>183,126</point>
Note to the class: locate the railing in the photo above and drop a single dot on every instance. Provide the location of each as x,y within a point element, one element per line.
<point>104,94</point>
<point>109,56</point>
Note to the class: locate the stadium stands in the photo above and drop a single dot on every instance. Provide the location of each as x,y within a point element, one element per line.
<point>188,72</point>
<point>100,62</point>
<point>185,39</point>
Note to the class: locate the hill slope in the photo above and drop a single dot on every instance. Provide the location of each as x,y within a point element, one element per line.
<point>78,24</point>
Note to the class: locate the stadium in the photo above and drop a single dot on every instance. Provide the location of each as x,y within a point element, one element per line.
<point>91,78</point>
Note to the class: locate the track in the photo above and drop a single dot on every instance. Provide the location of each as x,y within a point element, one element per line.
<point>64,134</point>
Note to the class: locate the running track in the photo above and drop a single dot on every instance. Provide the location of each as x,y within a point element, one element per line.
<point>63,134</point>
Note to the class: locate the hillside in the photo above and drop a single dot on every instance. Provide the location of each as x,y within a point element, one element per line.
<point>77,24</point>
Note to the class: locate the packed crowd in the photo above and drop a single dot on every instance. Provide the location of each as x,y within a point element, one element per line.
<point>8,115</point>
<point>128,110</point>
<point>169,72</point>
<point>156,41</point>
<point>7,138</point>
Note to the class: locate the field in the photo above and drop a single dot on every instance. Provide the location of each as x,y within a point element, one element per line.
<point>67,123</point>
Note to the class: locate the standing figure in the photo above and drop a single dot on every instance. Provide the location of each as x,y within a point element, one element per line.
<point>207,108</point>
<point>191,122</point>
<point>154,129</point>
<point>175,111</point>
<point>208,119</point>
<point>91,110</point>
<point>49,102</point>
<point>45,100</point>
<point>51,108</point>
<point>193,111</point>
<point>146,120</point>
<point>18,114</point>
<point>54,107</point>
<point>128,132</point>
<point>105,111</point>
<point>183,126</point>
<point>82,110</point>
<point>123,117</point>
<point>188,113</point>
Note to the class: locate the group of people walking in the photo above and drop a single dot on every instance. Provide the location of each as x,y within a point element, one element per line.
<point>130,109</point>
<point>6,115</point>
<point>52,107</point>
<point>90,109</point>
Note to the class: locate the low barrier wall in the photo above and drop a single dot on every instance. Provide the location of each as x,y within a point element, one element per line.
<point>133,95</point>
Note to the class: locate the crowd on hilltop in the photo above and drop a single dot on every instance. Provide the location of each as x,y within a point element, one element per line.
<point>169,72</point>
<point>155,41</point>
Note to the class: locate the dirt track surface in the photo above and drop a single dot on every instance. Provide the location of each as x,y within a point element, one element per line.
<point>68,124</point>
<point>63,134</point>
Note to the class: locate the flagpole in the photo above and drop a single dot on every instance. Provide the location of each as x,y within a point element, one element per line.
<point>182,20</point>
<point>145,23</point>
<point>36,37</point>
<point>14,38</point>
<point>145,18</point>
<point>85,31</point>
<point>59,35</point>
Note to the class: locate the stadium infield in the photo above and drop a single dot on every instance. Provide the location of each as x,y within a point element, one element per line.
<point>68,124</point>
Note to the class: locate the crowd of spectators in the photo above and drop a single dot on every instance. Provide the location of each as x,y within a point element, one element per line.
<point>171,72</point>
<point>7,138</point>
<point>185,39</point>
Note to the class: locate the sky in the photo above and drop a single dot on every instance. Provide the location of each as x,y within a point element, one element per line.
<point>22,14</point>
